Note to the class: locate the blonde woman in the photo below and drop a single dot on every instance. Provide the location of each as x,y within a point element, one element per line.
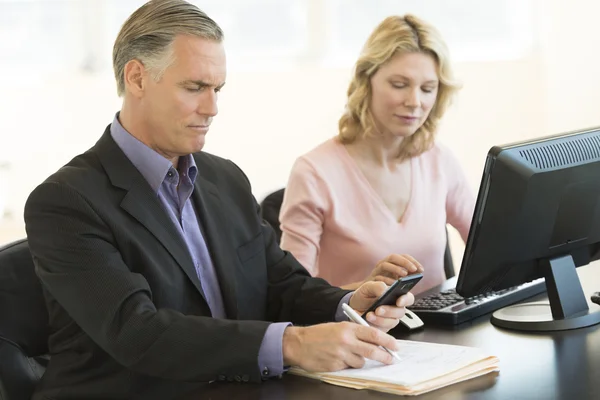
<point>370,202</point>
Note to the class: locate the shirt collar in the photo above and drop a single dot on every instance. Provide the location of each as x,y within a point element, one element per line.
<point>153,166</point>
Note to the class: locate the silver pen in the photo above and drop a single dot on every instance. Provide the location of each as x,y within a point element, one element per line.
<point>354,317</point>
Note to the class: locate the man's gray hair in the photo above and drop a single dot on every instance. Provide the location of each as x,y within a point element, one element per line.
<point>149,32</point>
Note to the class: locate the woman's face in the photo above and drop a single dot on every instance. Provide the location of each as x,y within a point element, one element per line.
<point>403,92</point>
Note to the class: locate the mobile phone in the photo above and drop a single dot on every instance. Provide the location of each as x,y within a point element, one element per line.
<point>398,288</point>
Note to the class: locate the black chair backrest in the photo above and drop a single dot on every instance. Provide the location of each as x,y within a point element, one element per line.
<point>269,209</point>
<point>23,323</point>
<point>271,205</point>
<point>448,263</point>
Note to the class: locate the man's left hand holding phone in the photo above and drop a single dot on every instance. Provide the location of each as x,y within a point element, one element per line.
<point>381,305</point>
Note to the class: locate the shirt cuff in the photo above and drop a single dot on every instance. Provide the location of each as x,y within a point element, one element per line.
<point>270,354</point>
<point>339,314</point>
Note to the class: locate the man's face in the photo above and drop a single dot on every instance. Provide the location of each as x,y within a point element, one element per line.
<point>179,108</point>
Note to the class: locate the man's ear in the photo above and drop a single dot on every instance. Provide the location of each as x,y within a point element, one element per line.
<point>134,76</point>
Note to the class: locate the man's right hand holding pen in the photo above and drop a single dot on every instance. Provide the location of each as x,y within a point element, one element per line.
<point>336,346</point>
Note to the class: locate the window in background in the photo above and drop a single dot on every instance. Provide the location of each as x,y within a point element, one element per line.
<point>475,30</point>
<point>62,35</point>
<point>38,37</point>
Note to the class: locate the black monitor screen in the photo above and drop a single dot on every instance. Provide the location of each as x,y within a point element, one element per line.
<point>537,213</point>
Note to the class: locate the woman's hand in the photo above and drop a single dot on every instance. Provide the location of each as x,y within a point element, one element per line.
<point>393,267</point>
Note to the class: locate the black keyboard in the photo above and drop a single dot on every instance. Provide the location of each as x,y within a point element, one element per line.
<point>450,308</point>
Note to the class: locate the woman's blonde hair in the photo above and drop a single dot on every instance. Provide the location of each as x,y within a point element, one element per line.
<point>397,35</point>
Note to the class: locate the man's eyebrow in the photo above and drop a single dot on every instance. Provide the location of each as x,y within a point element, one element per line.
<point>200,83</point>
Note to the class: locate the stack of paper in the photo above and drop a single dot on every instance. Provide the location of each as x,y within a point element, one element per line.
<point>423,367</point>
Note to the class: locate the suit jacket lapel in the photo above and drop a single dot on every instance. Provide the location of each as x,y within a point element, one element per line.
<point>224,257</point>
<point>141,203</point>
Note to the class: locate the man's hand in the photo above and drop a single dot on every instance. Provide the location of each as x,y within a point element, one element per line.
<point>393,267</point>
<point>335,346</point>
<point>384,317</point>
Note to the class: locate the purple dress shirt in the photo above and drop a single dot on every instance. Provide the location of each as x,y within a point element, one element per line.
<point>174,188</point>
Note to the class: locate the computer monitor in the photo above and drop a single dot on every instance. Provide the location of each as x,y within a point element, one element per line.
<point>537,215</point>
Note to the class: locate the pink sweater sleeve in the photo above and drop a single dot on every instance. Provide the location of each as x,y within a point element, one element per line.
<point>303,213</point>
<point>460,201</point>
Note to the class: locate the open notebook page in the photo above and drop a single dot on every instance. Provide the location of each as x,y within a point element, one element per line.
<point>420,361</point>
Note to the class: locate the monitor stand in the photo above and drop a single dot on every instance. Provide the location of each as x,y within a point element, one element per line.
<point>567,307</point>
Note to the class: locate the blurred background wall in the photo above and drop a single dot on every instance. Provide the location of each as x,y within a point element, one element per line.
<point>529,68</point>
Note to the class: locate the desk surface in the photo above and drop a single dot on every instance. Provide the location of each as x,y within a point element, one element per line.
<point>557,365</point>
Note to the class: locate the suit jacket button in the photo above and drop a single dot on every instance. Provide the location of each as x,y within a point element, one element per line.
<point>245,378</point>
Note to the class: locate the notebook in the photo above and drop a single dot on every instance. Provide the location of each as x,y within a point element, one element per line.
<point>423,367</point>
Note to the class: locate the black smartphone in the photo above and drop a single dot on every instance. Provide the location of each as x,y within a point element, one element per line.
<point>398,288</point>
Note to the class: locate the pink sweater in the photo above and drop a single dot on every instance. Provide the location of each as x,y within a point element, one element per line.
<point>338,227</point>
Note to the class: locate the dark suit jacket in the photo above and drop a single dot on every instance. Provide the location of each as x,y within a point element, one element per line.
<point>127,314</point>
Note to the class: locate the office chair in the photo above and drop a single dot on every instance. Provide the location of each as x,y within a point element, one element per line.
<point>271,205</point>
<point>23,324</point>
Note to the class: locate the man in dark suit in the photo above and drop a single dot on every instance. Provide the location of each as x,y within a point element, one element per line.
<point>157,271</point>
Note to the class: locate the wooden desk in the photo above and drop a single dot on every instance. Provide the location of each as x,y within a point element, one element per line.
<point>558,365</point>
